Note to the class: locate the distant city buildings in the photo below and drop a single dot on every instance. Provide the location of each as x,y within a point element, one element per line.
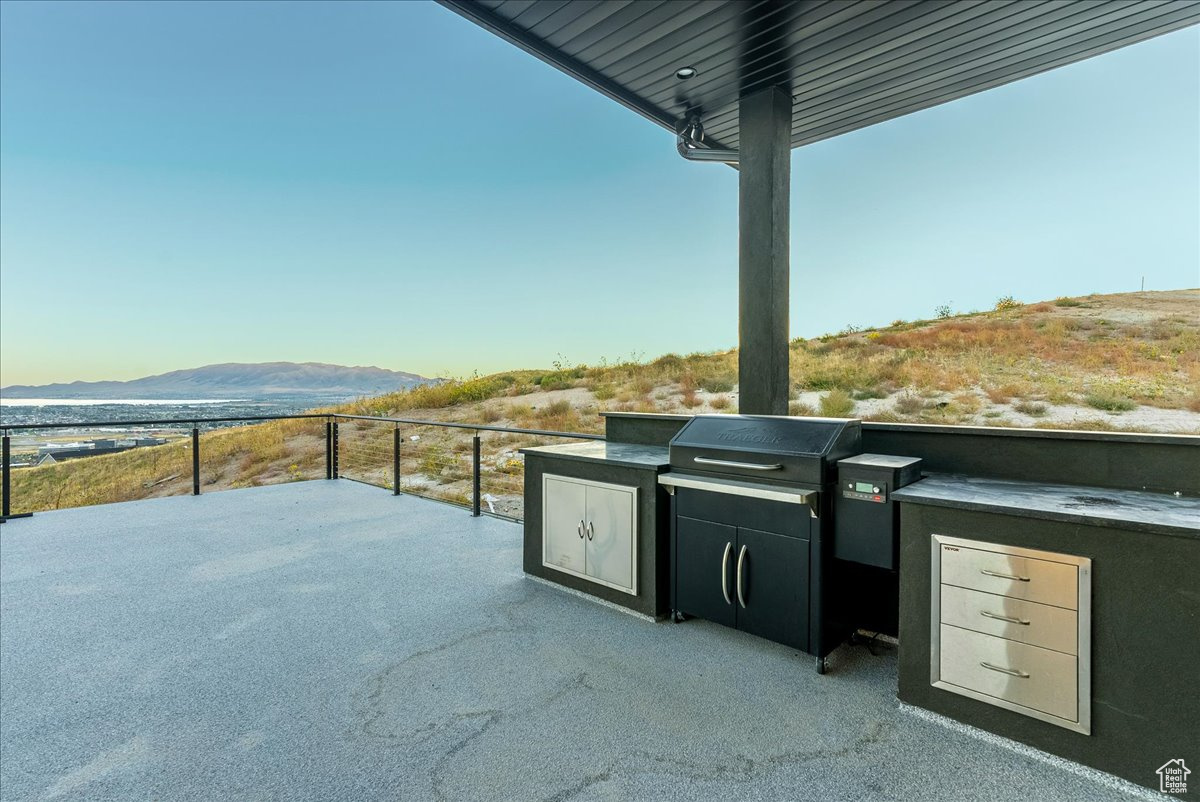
<point>59,452</point>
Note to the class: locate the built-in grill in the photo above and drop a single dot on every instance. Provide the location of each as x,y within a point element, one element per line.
<point>751,530</point>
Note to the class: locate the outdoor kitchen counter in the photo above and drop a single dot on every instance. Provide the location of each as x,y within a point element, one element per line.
<point>1128,510</point>
<point>629,455</point>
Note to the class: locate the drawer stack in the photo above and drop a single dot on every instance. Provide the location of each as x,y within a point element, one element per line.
<point>1010,627</point>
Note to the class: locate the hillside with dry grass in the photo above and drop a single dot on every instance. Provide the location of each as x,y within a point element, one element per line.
<point>1128,362</point>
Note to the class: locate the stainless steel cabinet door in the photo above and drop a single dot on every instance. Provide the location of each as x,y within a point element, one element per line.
<point>610,536</point>
<point>564,542</point>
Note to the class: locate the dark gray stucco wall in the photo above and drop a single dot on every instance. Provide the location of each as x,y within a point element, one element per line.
<point>645,430</point>
<point>1155,462</point>
<point>1158,463</point>
<point>654,531</point>
<point>1145,639</point>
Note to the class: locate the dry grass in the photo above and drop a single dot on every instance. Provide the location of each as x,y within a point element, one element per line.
<point>269,453</point>
<point>1034,409</point>
<point>837,404</point>
<point>1028,357</point>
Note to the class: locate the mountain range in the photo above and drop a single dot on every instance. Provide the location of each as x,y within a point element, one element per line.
<point>234,380</point>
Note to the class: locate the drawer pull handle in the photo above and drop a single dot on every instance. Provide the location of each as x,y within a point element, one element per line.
<point>1013,577</point>
<point>1007,618</point>
<point>1012,672</point>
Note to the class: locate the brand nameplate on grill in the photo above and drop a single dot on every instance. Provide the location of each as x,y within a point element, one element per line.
<point>748,436</point>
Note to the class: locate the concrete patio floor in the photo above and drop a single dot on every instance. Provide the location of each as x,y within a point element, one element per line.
<point>327,641</point>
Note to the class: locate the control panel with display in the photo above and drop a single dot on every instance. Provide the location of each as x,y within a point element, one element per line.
<point>866,521</point>
<point>865,491</point>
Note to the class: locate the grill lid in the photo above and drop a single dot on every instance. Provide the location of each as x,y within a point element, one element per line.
<point>765,448</point>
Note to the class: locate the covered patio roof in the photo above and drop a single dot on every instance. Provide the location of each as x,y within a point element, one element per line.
<point>847,63</point>
<point>744,81</point>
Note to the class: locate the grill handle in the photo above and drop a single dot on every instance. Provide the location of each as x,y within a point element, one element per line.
<point>725,573</point>
<point>724,463</point>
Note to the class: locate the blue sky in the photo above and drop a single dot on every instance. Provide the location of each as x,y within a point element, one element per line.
<point>387,184</point>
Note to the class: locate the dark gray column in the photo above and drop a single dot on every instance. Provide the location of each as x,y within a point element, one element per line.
<point>764,164</point>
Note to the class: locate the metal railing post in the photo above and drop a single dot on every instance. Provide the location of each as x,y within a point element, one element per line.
<point>195,460</point>
<point>6,481</point>
<point>328,449</point>
<point>475,475</point>
<point>335,450</point>
<point>396,461</point>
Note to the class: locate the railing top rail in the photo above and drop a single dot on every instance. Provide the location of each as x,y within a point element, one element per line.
<point>155,422</point>
<point>299,416</point>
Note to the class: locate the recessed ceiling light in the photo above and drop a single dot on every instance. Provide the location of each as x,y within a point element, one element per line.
<point>683,73</point>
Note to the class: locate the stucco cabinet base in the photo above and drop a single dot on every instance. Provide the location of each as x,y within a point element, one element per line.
<point>596,521</point>
<point>1145,708</point>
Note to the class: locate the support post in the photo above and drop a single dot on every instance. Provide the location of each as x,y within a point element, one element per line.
<point>6,480</point>
<point>764,175</point>
<point>195,460</point>
<point>396,461</point>
<point>475,475</point>
<point>328,449</point>
<point>335,449</point>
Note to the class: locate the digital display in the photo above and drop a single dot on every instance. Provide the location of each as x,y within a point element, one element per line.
<point>864,487</point>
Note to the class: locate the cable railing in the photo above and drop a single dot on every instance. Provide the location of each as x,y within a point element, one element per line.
<point>476,466</point>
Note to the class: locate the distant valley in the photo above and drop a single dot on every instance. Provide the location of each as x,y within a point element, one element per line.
<point>235,381</point>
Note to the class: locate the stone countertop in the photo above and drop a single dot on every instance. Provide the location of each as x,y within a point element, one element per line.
<point>630,455</point>
<point>1096,506</point>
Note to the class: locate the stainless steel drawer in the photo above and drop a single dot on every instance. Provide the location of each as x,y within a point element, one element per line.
<point>1036,580</point>
<point>1024,675</point>
<point>1014,619</point>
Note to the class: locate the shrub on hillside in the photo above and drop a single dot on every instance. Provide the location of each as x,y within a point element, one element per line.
<point>837,404</point>
<point>799,410</point>
<point>1109,401</point>
<point>909,403</point>
<point>1007,302</point>
<point>1034,409</point>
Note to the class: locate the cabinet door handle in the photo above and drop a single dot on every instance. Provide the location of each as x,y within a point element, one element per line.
<point>579,529</point>
<point>591,530</point>
<point>1012,672</point>
<point>740,592</point>
<point>725,573</point>
<point>999,575</point>
<point>1007,618</point>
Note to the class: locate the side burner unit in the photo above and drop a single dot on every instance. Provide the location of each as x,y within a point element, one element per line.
<point>751,525</point>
